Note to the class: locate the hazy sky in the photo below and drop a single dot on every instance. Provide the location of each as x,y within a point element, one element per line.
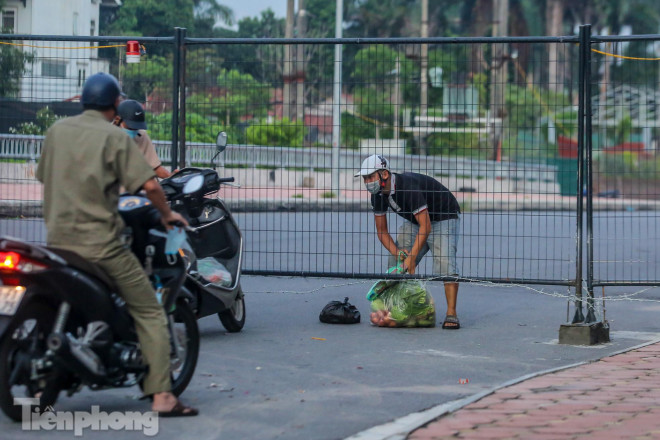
<point>253,8</point>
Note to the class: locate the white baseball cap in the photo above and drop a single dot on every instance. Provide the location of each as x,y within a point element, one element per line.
<point>372,164</point>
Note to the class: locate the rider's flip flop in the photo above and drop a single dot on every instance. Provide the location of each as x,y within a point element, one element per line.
<point>179,410</point>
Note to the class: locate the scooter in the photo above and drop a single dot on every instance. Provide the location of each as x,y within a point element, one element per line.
<point>63,325</point>
<point>215,243</point>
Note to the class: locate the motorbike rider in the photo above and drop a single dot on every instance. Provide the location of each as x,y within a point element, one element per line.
<point>83,163</point>
<point>131,117</point>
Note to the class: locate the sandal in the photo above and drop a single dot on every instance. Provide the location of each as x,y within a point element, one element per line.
<point>451,323</point>
<point>179,410</point>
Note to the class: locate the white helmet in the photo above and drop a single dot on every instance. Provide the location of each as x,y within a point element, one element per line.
<point>373,163</point>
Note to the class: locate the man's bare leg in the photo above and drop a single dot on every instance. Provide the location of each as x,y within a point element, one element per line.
<point>451,293</point>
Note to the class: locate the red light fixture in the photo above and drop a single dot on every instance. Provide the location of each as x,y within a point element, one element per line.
<point>132,52</point>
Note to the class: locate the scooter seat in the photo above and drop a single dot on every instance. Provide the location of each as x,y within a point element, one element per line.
<point>80,263</point>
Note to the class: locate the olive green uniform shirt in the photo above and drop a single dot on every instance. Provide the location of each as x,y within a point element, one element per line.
<point>84,161</point>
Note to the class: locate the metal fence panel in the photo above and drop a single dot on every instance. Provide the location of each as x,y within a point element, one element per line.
<point>625,102</point>
<point>496,123</point>
<point>499,160</point>
<point>44,84</point>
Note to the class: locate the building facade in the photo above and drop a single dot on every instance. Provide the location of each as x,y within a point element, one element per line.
<point>57,70</point>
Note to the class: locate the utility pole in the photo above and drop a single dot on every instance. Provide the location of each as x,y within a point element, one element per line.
<point>397,95</point>
<point>499,74</point>
<point>336,96</point>
<point>425,60</point>
<point>301,26</point>
<point>288,61</point>
<point>553,15</point>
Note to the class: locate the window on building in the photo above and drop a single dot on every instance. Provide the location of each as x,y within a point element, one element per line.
<point>8,21</point>
<point>53,68</point>
<point>81,77</point>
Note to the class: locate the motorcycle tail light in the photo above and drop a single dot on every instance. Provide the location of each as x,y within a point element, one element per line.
<point>14,262</point>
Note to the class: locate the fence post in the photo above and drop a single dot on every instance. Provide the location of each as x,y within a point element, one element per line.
<point>591,317</point>
<point>584,47</point>
<point>182,97</point>
<point>178,40</point>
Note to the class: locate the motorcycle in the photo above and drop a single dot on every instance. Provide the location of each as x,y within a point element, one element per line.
<point>215,243</point>
<point>63,326</point>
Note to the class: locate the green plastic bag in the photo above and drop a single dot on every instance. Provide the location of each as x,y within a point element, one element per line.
<point>401,303</point>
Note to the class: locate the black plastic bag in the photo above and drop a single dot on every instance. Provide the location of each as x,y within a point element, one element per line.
<point>337,312</point>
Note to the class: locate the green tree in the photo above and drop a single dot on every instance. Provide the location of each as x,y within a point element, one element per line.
<point>156,18</point>
<point>207,14</point>
<point>281,133</point>
<point>198,127</point>
<point>45,118</point>
<point>244,95</point>
<point>13,65</point>
<point>262,62</point>
<point>154,72</point>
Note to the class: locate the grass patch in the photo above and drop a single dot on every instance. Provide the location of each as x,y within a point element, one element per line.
<point>236,165</point>
<point>328,195</point>
<point>297,196</point>
<point>441,174</point>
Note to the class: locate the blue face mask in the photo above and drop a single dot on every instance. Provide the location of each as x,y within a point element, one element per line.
<point>131,133</point>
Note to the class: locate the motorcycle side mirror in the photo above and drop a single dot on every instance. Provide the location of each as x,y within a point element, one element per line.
<point>221,142</point>
<point>194,184</point>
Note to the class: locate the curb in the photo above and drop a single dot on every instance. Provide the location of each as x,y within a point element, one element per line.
<point>400,428</point>
<point>20,208</point>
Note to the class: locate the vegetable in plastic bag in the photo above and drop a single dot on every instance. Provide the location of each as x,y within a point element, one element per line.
<point>401,303</point>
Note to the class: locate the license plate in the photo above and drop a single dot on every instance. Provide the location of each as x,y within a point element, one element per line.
<point>10,298</point>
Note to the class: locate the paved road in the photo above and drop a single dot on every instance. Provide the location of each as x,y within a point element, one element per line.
<point>519,245</point>
<point>273,381</point>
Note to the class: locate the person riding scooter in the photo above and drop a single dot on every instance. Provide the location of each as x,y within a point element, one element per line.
<point>83,163</point>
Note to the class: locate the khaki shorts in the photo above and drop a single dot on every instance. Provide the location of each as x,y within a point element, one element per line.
<point>442,242</point>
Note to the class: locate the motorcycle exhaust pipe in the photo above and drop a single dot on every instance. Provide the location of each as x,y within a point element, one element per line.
<point>76,359</point>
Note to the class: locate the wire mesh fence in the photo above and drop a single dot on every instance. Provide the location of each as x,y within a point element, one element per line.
<point>625,136</point>
<point>495,121</point>
<point>41,83</point>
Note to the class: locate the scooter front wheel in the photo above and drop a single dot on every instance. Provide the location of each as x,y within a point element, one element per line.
<point>233,319</point>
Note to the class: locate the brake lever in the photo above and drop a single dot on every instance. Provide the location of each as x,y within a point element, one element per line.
<point>235,185</point>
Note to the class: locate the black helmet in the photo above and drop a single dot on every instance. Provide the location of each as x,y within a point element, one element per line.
<point>132,113</point>
<point>100,91</point>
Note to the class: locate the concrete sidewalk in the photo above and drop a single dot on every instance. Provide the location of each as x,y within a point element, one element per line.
<point>617,397</point>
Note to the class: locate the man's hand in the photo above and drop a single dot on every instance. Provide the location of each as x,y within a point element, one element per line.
<point>402,254</point>
<point>409,264</point>
<point>173,217</point>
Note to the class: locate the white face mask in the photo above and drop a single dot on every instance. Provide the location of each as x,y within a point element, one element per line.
<point>373,187</point>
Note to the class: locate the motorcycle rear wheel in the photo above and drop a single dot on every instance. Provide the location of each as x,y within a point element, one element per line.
<point>24,341</point>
